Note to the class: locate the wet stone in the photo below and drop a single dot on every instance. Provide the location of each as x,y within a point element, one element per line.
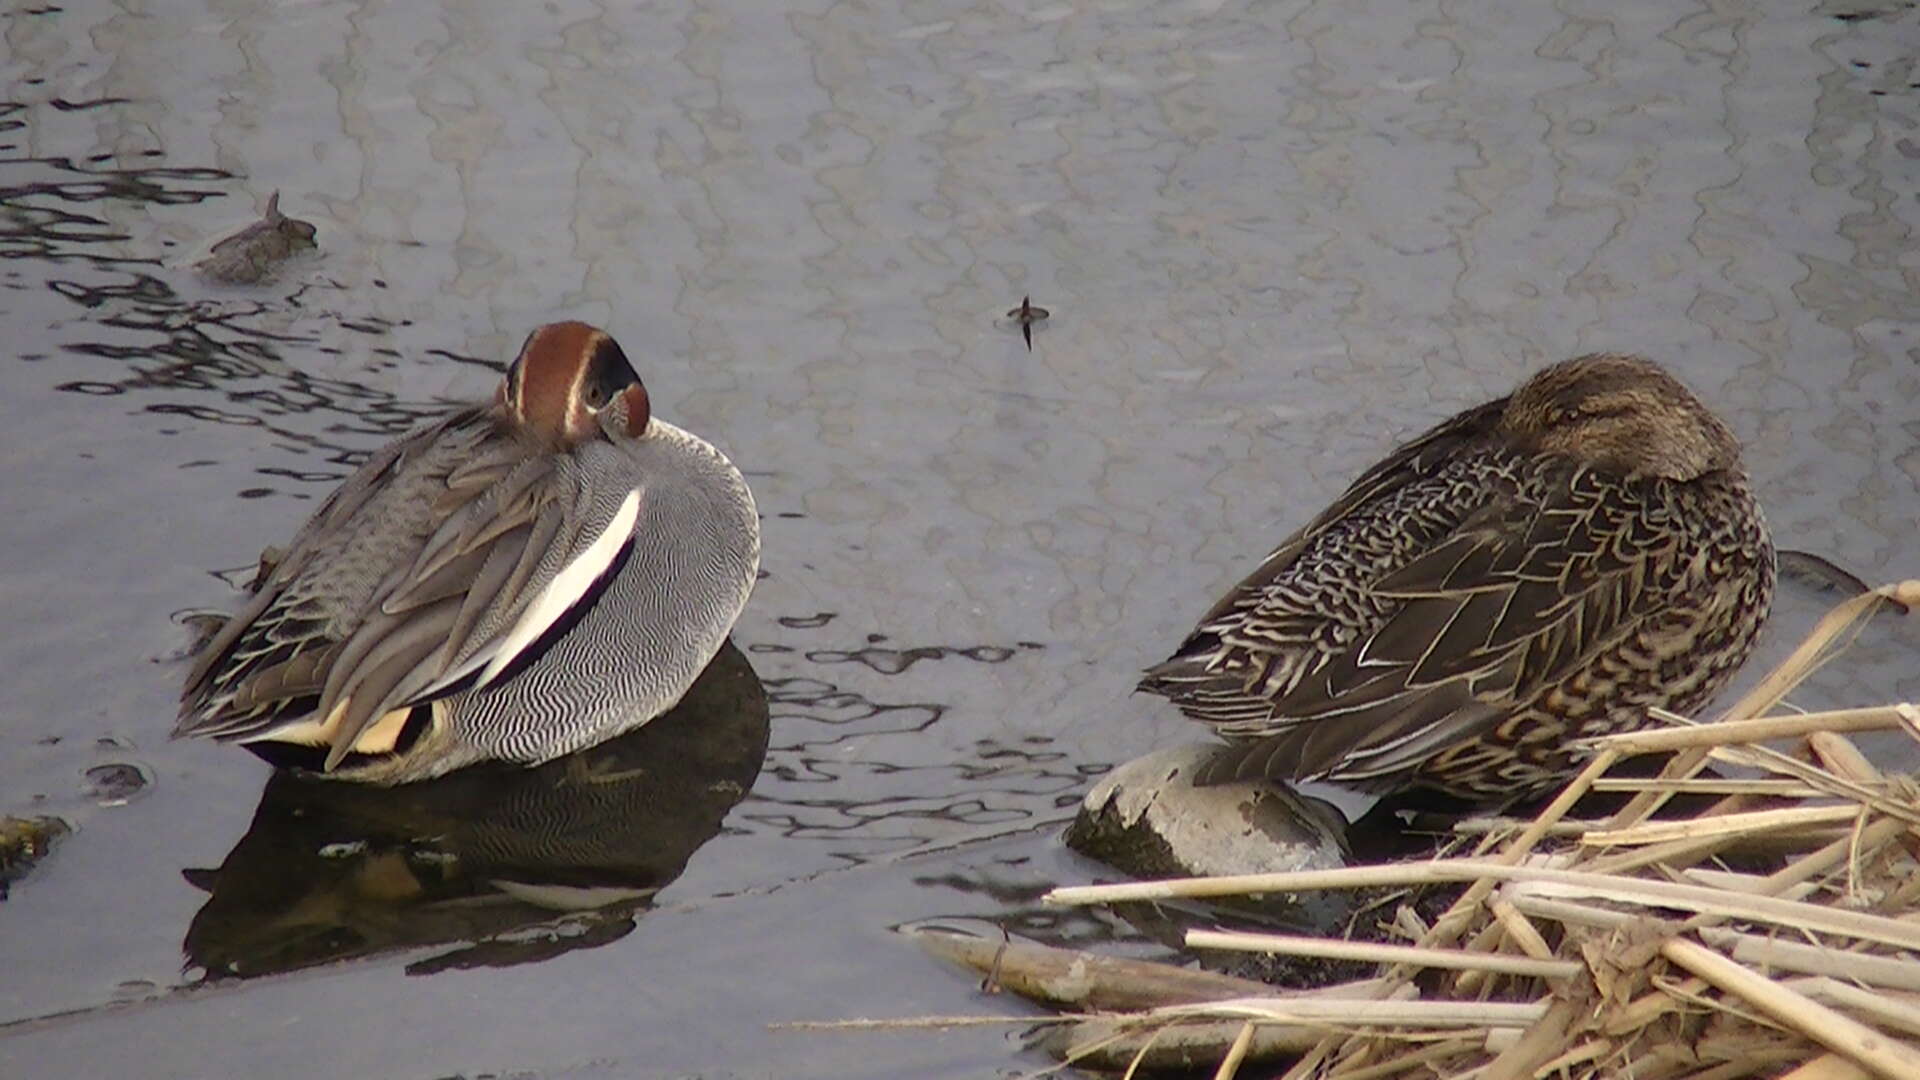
<point>135,990</point>
<point>115,783</point>
<point>1147,819</point>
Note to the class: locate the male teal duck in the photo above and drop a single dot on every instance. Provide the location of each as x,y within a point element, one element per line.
<point>1536,570</point>
<point>514,581</point>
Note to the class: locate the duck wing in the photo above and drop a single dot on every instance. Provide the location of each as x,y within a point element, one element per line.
<point>1260,637</point>
<point>448,563</point>
<point>1523,594</point>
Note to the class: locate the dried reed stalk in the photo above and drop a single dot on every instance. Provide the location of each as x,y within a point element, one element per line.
<point>1537,880</point>
<point>1847,1037</point>
<point>1725,825</point>
<point>1741,732</point>
<point>1783,789</point>
<point>1294,945</point>
<point>1828,1067</point>
<point>1237,1053</point>
<point>1347,1012</point>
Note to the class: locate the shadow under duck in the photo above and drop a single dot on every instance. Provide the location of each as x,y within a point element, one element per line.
<point>1539,569</point>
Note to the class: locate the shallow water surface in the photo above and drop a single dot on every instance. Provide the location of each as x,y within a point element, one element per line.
<point>1275,238</point>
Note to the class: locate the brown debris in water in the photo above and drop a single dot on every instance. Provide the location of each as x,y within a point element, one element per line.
<point>24,841</point>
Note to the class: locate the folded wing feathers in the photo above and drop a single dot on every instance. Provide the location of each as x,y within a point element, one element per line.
<point>378,675</point>
<point>302,675</point>
<point>215,649</point>
<point>574,581</point>
<point>1421,738</point>
<point>508,560</point>
<point>346,670</point>
<point>433,649</point>
<point>1417,460</point>
<point>478,559</point>
<point>501,565</point>
<point>452,576</point>
<point>473,514</point>
<point>1513,596</point>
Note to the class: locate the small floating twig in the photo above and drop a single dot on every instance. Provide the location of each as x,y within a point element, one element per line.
<point>1824,573</point>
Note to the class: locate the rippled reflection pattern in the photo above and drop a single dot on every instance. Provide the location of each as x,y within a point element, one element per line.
<point>851,765</point>
<point>211,359</point>
<point>518,865</point>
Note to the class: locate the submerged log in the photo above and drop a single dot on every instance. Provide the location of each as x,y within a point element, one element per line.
<point>1200,1044</point>
<point>1083,981</point>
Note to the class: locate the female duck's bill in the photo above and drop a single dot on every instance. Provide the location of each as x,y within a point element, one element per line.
<point>1539,569</point>
<point>513,581</point>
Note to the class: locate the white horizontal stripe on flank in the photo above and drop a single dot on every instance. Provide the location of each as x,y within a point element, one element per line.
<point>566,588</point>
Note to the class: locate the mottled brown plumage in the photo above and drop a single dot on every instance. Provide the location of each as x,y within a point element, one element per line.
<point>1536,570</point>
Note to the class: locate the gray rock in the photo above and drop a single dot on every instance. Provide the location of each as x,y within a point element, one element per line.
<point>1147,819</point>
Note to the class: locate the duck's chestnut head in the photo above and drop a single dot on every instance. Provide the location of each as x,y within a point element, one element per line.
<point>570,383</point>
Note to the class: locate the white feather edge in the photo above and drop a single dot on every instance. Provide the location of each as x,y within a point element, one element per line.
<point>565,590</point>
<point>560,594</point>
<point>570,897</point>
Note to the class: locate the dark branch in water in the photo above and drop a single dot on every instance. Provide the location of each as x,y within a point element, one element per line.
<point>1827,576</point>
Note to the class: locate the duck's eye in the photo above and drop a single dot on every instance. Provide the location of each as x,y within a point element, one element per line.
<point>1598,410</point>
<point>595,396</point>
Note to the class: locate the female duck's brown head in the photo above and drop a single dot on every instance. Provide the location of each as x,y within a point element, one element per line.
<point>570,383</point>
<point>298,234</point>
<point>1620,414</point>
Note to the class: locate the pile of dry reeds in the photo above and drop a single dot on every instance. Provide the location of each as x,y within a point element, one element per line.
<point>1622,947</point>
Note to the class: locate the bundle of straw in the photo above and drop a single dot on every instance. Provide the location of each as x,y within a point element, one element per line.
<point>1627,947</point>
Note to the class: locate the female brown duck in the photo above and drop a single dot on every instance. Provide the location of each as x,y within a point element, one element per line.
<point>1536,570</point>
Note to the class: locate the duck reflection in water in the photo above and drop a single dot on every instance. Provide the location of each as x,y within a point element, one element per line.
<point>493,858</point>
